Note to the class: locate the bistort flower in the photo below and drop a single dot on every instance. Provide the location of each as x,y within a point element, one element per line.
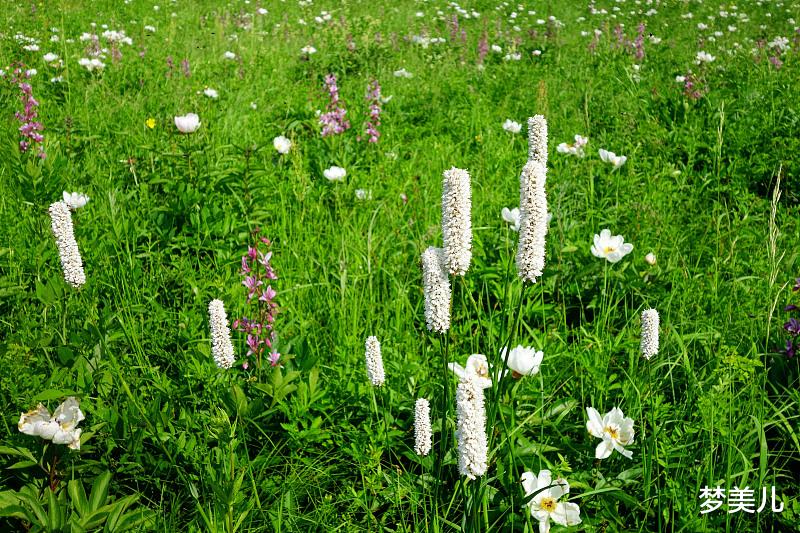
<point>71,263</point>
<point>437,290</point>
<point>374,361</point>
<point>471,428</point>
<point>649,344</point>
<point>457,221</point>
<point>533,221</point>
<point>610,248</point>
<point>544,505</point>
<point>221,345</point>
<point>615,430</point>
<point>423,435</point>
<point>537,139</point>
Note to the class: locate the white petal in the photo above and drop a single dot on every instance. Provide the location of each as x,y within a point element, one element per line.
<point>544,479</point>
<point>567,514</point>
<point>595,425</point>
<point>623,451</point>
<point>604,449</point>
<point>458,370</point>
<point>544,525</point>
<point>561,488</point>
<point>528,483</point>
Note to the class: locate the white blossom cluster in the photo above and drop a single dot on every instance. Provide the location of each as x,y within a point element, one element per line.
<point>471,428</point>
<point>649,343</point>
<point>423,435</point>
<point>457,221</point>
<point>221,345</point>
<point>437,290</point>
<point>374,361</point>
<point>532,221</point>
<point>71,262</point>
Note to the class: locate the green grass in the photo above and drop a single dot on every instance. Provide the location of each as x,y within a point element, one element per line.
<point>310,446</point>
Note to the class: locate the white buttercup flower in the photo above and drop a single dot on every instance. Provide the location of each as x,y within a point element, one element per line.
<point>512,126</point>
<point>522,360</point>
<point>334,173</point>
<point>614,428</point>
<point>544,505</point>
<point>282,144</point>
<point>75,200</point>
<point>477,366</point>
<point>188,123</point>
<point>611,248</point>
<point>511,216</point>
<point>61,427</point>
<point>612,158</point>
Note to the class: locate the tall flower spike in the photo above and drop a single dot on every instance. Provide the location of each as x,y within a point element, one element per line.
<point>437,290</point>
<point>532,221</point>
<point>537,139</point>
<point>457,221</point>
<point>71,262</point>
<point>471,428</point>
<point>650,322</point>
<point>423,435</point>
<point>221,345</point>
<point>374,362</point>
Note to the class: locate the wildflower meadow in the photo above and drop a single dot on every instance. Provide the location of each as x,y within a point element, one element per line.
<point>413,266</point>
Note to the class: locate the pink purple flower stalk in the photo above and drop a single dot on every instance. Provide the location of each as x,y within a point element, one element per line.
<point>483,48</point>
<point>638,43</point>
<point>258,272</point>
<point>373,98</point>
<point>792,326</point>
<point>30,127</point>
<point>333,121</point>
<point>187,71</point>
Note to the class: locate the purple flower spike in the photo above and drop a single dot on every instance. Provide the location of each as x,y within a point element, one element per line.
<point>792,327</point>
<point>790,349</point>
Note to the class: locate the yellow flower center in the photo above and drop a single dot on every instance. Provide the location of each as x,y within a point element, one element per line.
<point>608,249</point>
<point>548,504</point>
<point>612,432</point>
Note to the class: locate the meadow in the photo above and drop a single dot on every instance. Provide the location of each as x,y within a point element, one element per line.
<point>208,210</point>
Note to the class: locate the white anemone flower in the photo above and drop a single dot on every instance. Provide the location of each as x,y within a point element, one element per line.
<point>704,57</point>
<point>512,126</point>
<point>229,55</point>
<point>75,200</point>
<point>523,360</point>
<point>402,73</point>
<point>614,428</point>
<point>211,93</point>
<point>188,123</point>
<point>334,173</point>
<point>61,427</point>
<point>282,144</point>
<point>308,50</point>
<point>544,505</point>
<point>612,158</point>
<point>611,248</point>
<point>511,216</point>
<point>477,366</point>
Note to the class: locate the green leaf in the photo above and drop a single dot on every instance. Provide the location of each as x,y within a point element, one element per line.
<point>99,491</point>
<point>78,496</point>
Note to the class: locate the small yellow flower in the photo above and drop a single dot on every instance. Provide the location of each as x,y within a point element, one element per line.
<point>150,123</point>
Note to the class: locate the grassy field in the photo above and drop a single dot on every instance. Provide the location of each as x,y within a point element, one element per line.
<point>701,99</point>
